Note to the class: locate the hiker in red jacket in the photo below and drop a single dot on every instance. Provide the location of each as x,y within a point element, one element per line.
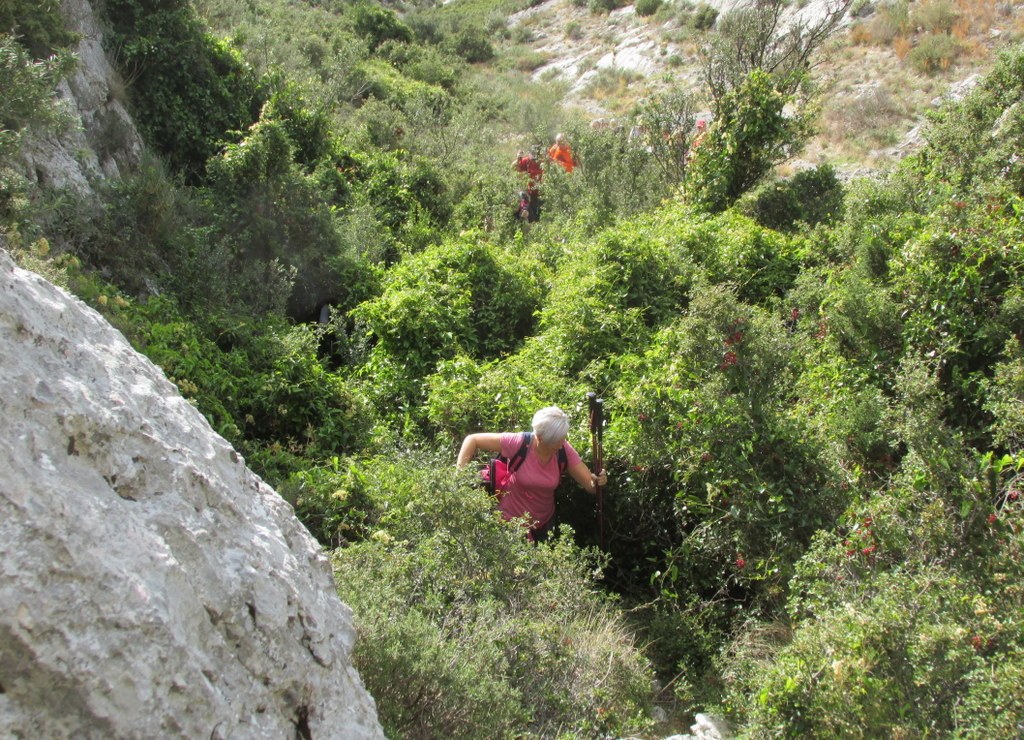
<point>531,485</point>
<point>526,162</point>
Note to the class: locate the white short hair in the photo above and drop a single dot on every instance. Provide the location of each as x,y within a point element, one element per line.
<point>551,424</point>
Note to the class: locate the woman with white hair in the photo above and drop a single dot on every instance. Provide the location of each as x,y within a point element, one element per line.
<point>533,478</point>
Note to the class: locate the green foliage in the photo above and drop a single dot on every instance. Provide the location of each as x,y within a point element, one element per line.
<point>935,17</point>
<point>665,125</point>
<point>953,280</point>
<point>896,623</point>
<point>725,477</point>
<point>188,89</point>
<point>377,24</point>
<point>705,17</point>
<point>616,179</point>
<point>463,296</point>
<point>645,8</point>
<point>492,637</point>
<point>814,437</point>
<point>1006,398</point>
<point>260,385</point>
<point>749,135</point>
<point>973,145</point>
<point>37,25</point>
<point>810,197</point>
<point>28,98</point>
<point>933,53</point>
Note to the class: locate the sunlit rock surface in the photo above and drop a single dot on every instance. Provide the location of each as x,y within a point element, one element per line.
<point>150,584</point>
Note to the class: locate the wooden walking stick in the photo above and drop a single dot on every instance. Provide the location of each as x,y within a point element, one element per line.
<point>597,453</point>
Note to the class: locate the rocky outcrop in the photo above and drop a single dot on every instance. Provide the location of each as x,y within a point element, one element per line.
<point>150,584</point>
<point>102,141</point>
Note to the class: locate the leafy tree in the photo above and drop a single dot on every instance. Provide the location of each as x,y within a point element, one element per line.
<point>378,24</point>
<point>188,89</point>
<point>665,123</point>
<point>38,26</point>
<point>751,133</point>
<point>760,36</point>
<point>28,99</point>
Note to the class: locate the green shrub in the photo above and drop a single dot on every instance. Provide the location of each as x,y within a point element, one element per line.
<point>602,6</point>
<point>28,98</point>
<point>749,136</point>
<point>934,53</point>
<point>973,144</point>
<point>37,26</point>
<point>729,483</point>
<point>461,295</point>
<point>935,16</point>
<point>1006,398</point>
<point>492,637</point>
<point>377,24</point>
<point>898,614</point>
<point>954,279</point>
<point>891,20</point>
<point>188,89</point>
<point>645,8</point>
<point>809,197</point>
<point>472,44</point>
<point>260,384</point>
<point>704,17</point>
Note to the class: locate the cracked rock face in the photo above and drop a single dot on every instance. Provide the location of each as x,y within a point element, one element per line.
<point>102,141</point>
<point>150,584</point>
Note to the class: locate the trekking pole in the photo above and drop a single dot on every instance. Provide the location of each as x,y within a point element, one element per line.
<point>597,452</point>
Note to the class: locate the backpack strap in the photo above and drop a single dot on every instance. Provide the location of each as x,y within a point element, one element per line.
<point>520,457</point>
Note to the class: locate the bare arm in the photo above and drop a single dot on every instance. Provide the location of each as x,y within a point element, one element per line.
<point>587,480</point>
<point>488,441</point>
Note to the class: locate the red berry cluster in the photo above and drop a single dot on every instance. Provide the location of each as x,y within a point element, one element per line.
<point>862,541</point>
<point>730,358</point>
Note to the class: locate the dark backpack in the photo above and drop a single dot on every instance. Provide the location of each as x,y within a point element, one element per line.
<point>500,468</point>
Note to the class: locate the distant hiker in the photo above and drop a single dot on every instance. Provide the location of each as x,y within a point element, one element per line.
<point>532,483</point>
<point>561,152</point>
<point>698,139</point>
<point>526,162</point>
<point>523,210</point>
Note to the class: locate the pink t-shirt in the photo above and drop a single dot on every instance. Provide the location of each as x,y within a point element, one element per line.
<point>532,486</point>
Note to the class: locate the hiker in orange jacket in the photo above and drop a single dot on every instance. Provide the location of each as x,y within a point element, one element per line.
<point>561,152</point>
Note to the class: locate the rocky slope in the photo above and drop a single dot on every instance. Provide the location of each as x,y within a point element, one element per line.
<point>873,99</point>
<point>101,140</point>
<point>150,584</point>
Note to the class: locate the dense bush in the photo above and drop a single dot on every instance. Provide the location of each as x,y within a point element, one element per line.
<point>28,93</point>
<point>704,17</point>
<point>933,53</point>
<point>895,626</point>
<point>188,90</point>
<point>463,296</point>
<point>492,637</point>
<point>378,24</point>
<point>645,8</point>
<point>261,385</point>
<point>749,136</point>
<point>814,431</point>
<point>37,26</point>
<point>810,197</point>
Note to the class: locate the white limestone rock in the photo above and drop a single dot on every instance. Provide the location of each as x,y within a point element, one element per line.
<point>102,141</point>
<point>150,584</point>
